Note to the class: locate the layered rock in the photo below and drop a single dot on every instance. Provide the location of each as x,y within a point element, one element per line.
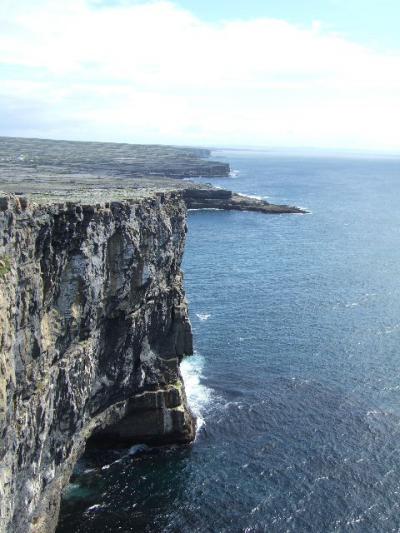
<point>208,197</point>
<point>93,318</point>
<point>93,326</point>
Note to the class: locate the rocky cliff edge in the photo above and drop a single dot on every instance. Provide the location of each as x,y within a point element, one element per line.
<point>93,326</point>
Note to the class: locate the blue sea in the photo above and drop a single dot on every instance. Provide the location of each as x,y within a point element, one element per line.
<point>296,373</point>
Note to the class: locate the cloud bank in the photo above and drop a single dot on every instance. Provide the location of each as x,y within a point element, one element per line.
<point>153,72</point>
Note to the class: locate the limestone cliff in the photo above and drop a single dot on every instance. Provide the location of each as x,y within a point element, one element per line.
<point>93,325</point>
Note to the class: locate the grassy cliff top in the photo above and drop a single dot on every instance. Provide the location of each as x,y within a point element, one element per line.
<point>48,170</point>
<point>47,164</point>
<point>66,171</point>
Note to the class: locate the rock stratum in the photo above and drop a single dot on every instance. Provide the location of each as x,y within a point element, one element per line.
<point>93,316</point>
<point>208,197</point>
<point>93,326</point>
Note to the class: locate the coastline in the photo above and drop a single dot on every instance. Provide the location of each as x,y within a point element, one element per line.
<point>94,256</point>
<point>46,172</point>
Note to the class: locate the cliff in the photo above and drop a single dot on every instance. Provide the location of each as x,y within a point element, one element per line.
<point>46,170</point>
<point>93,326</point>
<point>93,317</point>
<point>45,157</point>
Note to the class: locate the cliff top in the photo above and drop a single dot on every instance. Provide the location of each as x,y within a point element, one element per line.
<point>50,171</point>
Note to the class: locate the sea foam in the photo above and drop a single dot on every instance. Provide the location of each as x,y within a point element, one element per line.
<point>197,393</point>
<point>202,316</point>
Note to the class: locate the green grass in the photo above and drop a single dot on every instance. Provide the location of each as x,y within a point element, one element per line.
<point>5,266</point>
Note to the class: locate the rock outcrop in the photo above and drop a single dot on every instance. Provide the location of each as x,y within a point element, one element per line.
<point>208,197</point>
<point>93,326</point>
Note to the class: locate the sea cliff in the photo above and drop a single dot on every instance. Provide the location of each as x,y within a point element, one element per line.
<point>93,326</point>
<point>93,316</point>
<point>46,157</point>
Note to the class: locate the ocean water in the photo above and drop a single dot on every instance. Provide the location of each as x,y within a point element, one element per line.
<point>296,376</point>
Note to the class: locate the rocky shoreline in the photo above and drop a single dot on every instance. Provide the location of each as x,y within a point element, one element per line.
<point>212,198</point>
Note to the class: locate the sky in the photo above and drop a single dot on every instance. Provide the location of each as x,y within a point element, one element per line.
<point>294,73</point>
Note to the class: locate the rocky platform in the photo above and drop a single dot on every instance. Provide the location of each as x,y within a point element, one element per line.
<point>208,197</point>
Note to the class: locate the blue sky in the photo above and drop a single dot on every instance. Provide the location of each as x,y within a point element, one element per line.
<point>290,73</point>
<point>371,22</point>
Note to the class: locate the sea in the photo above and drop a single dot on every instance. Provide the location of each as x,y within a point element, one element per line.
<point>296,373</point>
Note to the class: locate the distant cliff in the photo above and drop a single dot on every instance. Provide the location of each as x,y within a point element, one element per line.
<point>44,157</point>
<point>93,326</point>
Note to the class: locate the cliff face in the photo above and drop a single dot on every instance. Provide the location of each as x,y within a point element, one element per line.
<point>93,325</point>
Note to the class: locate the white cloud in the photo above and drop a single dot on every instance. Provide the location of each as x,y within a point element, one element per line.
<point>155,73</point>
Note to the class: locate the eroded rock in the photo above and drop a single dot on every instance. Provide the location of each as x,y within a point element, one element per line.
<point>93,326</point>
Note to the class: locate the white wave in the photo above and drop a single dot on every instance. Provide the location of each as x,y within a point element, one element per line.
<point>354,521</point>
<point>306,209</point>
<point>95,507</point>
<point>198,395</point>
<point>202,317</point>
<point>72,487</point>
<point>205,209</point>
<point>391,329</point>
<point>234,173</point>
<point>137,448</point>
<point>251,196</point>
